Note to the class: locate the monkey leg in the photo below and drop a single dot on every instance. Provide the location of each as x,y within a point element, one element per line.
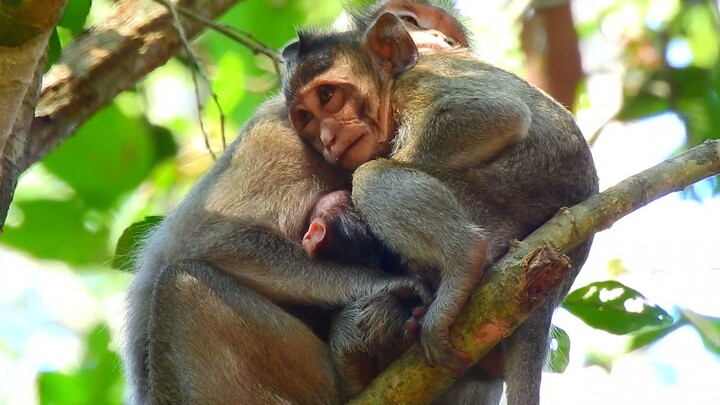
<point>418,217</point>
<point>366,337</point>
<point>214,341</point>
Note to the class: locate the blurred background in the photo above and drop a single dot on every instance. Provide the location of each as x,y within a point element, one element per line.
<point>649,87</point>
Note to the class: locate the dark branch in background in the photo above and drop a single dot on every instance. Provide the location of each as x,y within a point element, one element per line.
<point>518,281</point>
<point>550,43</point>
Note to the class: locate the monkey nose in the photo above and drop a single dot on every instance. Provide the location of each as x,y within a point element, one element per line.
<point>327,138</point>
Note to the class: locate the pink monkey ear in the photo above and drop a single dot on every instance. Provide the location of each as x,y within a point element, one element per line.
<point>390,43</point>
<point>314,237</point>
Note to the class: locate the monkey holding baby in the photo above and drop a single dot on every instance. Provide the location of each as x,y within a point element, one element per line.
<point>468,169</point>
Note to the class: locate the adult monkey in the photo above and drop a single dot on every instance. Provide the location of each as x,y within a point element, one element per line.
<point>207,318</point>
<point>474,145</point>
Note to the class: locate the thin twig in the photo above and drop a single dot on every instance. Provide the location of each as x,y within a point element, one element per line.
<point>199,70</point>
<point>242,37</point>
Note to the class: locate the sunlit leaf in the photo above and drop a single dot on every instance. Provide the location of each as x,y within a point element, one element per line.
<point>647,337</point>
<point>559,354</point>
<point>109,155</point>
<point>615,308</point>
<point>75,14</point>
<point>129,242</point>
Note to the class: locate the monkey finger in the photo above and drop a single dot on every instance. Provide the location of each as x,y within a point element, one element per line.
<point>418,312</point>
<point>412,330</point>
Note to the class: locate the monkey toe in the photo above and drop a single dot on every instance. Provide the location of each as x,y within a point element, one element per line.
<point>439,353</point>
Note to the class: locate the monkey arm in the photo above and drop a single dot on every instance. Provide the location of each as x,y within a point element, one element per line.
<point>418,217</point>
<point>278,268</point>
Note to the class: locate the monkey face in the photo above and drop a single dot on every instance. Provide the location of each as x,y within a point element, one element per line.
<point>344,115</point>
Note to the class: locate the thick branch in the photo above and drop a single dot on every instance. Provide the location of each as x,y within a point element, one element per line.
<point>515,283</point>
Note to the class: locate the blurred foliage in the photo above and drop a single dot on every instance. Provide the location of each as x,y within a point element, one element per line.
<point>99,379</point>
<point>139,156</point>
<point>559,353</point>
<point>130,240</point>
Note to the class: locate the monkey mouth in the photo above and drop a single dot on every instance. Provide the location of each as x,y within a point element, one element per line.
<point>337,154</point>
<point>426,47</point>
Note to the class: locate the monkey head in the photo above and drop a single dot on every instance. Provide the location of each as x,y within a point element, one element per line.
<point>433,24</point>
<point>338,88</point>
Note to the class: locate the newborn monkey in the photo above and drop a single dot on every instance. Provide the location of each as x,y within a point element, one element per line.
<point>336,232</point>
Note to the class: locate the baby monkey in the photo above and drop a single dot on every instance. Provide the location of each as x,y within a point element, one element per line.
<point>336,232</point>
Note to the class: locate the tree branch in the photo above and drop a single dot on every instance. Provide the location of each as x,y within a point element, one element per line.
<point>517,283</point>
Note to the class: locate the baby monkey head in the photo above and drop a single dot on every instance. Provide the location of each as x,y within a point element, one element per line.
<point>338,88</point>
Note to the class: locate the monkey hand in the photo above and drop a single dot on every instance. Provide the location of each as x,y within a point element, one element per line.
<point>435,347</point>
<point>409,287</point>
<point>383,316</point>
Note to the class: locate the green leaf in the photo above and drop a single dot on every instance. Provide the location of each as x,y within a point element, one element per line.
<point>129,242</point>
<point>615,308</point>
<point>111,154</point>
<point>641,105</point>
<point>559,354</point>
<point>708,328</point>
<point>54,49</point>
<point>60,230</point>
<point>97,381</point>
<point>75,14</point>
<point>650,336</point>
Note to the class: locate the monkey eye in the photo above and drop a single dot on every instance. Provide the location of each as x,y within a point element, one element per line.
<point>303,117</point>
<point>326,93</point>
<point>408,18</point>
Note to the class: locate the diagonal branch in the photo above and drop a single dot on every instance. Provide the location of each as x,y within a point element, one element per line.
<point>531,268</point>
<point>138,37</point>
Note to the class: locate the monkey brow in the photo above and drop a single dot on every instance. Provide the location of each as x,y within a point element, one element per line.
<point>315,56</point>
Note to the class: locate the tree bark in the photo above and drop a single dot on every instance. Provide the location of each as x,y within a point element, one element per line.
<point>25,28</point>
<point>516,284</point>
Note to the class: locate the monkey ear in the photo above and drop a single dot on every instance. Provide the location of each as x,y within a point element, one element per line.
<point>292,50</point>
<point>390,43</point>
<point>314,237</point>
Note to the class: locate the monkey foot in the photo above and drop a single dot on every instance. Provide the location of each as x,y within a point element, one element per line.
<point>438,352</point>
